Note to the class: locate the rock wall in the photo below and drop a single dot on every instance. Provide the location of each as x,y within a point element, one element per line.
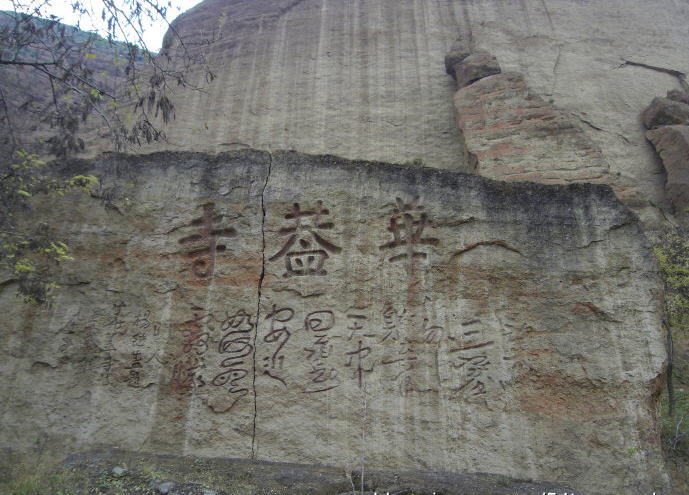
<point>296,308</point>
<point>286,307</point>
<point>364,79</point>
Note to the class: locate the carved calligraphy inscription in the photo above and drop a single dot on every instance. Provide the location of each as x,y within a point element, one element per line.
<point>407,224</point>
<point>195,333</point>
<point>329,347</point>
<point>358,357</point>
<point>306,249</point>
<point>236,350</point>
<point>133,354</point>
<point>230,336</point>
<point>202,247</point>
<point>323,376</point>
<point>403,359</point>
<point>393,345</point>
<point>471,357</point>
<point>277,336</point>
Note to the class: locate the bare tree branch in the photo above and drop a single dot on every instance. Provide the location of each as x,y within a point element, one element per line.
<point>18,62</point>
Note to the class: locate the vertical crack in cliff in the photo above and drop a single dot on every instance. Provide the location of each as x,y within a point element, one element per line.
<point>258,302</point>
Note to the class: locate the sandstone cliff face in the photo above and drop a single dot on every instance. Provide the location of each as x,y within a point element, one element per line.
<point>308,309</point>
<point>289,307</point>
<point>365,79</point>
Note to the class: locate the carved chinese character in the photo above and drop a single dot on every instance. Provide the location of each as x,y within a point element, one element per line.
<point>407,224</point>
<point>322,375</point>
<point>194,338</point>
<point>474,368</point>
<point>236,342</point>
<point>356,360</point>
<point>278,335</point>
<point>301,250</point>
<point>319,321</point>
<point>357,324</point>
<point>202,247</point>
<point>392,320</point>
<point>136,360</point>
<point>183,373</point>
<point>135,370</point>
<point>405,361</point>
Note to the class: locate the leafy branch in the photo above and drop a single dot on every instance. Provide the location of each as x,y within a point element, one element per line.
<point>60,85</point>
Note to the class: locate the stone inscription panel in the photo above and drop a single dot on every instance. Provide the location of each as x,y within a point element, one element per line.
<point>307,309</point>
<point>366,319</point>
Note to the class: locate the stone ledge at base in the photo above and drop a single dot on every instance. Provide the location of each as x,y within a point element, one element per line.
<point>276,478</point>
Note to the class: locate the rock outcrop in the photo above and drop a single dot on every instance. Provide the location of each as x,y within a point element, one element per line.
<point>467,65</point>
<point>665,111</point>
<point>511,134</point>
<point>672,144</point>
<point>668,122</point>
<point>308,309</point>
<point>365,79</point>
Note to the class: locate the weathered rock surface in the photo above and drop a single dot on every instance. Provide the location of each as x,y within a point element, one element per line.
<point>365,79</point>
<point>678,95</point>
<point>461,49</point>
<point>475,66</point>
<point>665,111</point>
<point>672,144</point>
<point>308,309</point>
<point>512,134</point>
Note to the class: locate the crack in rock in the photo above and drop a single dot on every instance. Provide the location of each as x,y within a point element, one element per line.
<point>681,76</point>
<point>258,302</point>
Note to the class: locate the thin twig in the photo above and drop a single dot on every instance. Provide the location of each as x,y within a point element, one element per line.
<point>20,62</point>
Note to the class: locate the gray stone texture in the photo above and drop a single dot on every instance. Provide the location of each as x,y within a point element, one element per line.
<point>366,79</point>
<point>309,309</point>
<point>678,95</point>
<point>118,472</point>
<point>475,66</point>
<point>460,50</point>
<point>665,111</point>
<point>672,144</point>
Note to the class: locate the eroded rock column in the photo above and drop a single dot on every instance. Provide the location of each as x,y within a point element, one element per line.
<point>509,132</point>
